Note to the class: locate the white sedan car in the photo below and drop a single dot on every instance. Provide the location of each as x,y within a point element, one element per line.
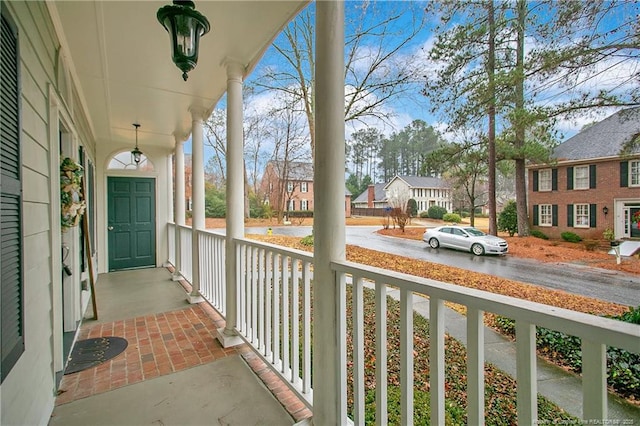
<point>465,238</point>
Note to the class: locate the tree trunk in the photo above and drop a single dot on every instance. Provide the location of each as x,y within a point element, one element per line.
<point>520,125</point>
<point>491,69</point>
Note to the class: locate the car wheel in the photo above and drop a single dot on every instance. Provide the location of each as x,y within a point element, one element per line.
<point>434,243</point>
<point>477,249</point>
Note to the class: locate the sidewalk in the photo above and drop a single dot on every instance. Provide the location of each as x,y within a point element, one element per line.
<point>557,385</point>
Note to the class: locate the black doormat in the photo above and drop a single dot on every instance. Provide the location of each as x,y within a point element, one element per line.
<point>93,352</point>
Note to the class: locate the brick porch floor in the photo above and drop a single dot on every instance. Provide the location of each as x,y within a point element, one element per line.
<point>165,343</point>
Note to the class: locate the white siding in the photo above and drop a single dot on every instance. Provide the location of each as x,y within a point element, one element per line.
<point>28,392</point>
<point>423,196</point>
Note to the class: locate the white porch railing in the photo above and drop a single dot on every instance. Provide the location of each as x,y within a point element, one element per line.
<point>275,309</point>
<point>212,269</point>
<point>171,242</point>
<point>274,316</point>
<point>185,252</point>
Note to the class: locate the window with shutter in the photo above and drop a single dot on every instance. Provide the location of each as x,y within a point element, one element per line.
<point>12,336</point>
<point>545,212</point>
<point>581,177</point>
<point>581,218</point>
<point>634,173</point>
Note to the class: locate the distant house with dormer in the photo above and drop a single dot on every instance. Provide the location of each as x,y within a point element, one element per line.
<point>591,186</point>
<point>426,191</point>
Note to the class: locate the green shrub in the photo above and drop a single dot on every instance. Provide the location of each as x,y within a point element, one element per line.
<point>452,217</point>
<point>215,204</point>
<point>571,237</point>
<point>632,316</point>
<point>307,241</point>
<point>453,414</point>
<point>412,208</point>
<point>436,212</point>
<point>215,207</point>
<point>539,234</point>
<point>508,218</point>
<point>424,215</point>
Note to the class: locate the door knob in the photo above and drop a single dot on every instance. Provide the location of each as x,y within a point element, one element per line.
<point>110,228</point>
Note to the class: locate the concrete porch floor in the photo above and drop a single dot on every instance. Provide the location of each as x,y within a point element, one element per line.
<point>174,371</point>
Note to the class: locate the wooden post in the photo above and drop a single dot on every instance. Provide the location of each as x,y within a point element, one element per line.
<point>87,243</point>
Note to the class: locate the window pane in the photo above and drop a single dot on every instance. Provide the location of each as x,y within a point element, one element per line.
<point>634,173</point>
<point>544,180</point>
<point>581,177</point>
<point>582,215</point>
<point>545,218</point>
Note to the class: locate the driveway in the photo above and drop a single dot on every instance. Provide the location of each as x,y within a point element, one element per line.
<point>592,282</point>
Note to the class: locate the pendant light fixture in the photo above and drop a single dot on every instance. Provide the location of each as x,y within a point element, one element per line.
<point>185,26</point>
<point>136,154</point>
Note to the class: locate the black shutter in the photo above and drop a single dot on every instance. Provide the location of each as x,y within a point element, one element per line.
<point>535,215</point>
<point>592,215</point>
<point>554,179</point>
<point>554,215</point>
<point>535,181</point>
<point>12,338</point>
<point>624,174</point>
<point>569,177</point>
<point>592,176</point>
<point>570,215</point>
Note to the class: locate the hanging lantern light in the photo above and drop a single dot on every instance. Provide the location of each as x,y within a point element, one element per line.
<point>185,26</point>
<point>136,153</point>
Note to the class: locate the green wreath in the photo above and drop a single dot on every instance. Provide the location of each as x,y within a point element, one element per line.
<point>71,198</point>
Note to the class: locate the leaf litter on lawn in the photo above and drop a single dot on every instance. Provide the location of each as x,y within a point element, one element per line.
<point>500,396</point>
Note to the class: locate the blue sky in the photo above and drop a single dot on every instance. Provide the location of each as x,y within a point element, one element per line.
<point>409,108</point>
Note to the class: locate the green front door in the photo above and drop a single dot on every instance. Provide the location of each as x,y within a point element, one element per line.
<point>131,222</point>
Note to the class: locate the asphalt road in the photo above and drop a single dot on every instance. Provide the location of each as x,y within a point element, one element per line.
<point>602,284</point>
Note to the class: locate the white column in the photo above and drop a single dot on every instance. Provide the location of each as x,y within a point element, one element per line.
<point>179,205</point>
<point>197,194</point>
<point>329,372</point>
<point>235,199</point>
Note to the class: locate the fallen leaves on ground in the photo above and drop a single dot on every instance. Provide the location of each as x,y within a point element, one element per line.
<point>456,353</point>
<point>463,277</point>
<point>500,395</point>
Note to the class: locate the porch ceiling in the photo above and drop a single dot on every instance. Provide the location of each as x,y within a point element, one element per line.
<point>120,56</point>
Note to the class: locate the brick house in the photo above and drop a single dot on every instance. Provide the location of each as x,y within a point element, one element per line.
<point>591,186</point>
<point>289,186</point>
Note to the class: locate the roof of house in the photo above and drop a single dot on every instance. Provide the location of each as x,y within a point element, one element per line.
<point>298,170</point>
<point>301,171</point>
<point>421,182</point>
<point>603,139</point>
<point>379,194</point>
